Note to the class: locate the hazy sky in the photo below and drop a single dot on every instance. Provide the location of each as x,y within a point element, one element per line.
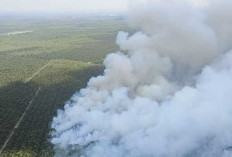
<point>63,5</point>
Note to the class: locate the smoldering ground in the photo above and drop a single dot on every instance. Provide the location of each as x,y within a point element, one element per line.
<point>168,95</point>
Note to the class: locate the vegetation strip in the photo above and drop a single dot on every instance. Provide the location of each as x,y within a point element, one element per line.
<point>20,120</point>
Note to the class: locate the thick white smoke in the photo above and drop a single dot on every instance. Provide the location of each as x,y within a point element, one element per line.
<point>167,95</point>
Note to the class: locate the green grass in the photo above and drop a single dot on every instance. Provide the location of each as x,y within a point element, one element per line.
<point>72,51</point>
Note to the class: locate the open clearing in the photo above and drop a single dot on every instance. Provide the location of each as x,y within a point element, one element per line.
<point>16,33</point>
<point>59,57</point>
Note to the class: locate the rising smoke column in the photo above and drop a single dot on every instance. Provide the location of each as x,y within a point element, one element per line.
<point>168,95</point>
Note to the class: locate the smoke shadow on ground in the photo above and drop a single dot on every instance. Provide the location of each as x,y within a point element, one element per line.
<point>33,134</point>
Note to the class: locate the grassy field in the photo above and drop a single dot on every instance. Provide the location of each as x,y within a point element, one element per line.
<point>57,55</point>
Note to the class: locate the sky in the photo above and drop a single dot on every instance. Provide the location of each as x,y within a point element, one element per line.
<point>63,5</point>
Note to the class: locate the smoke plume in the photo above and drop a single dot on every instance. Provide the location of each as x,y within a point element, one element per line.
<point>166,94</point>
